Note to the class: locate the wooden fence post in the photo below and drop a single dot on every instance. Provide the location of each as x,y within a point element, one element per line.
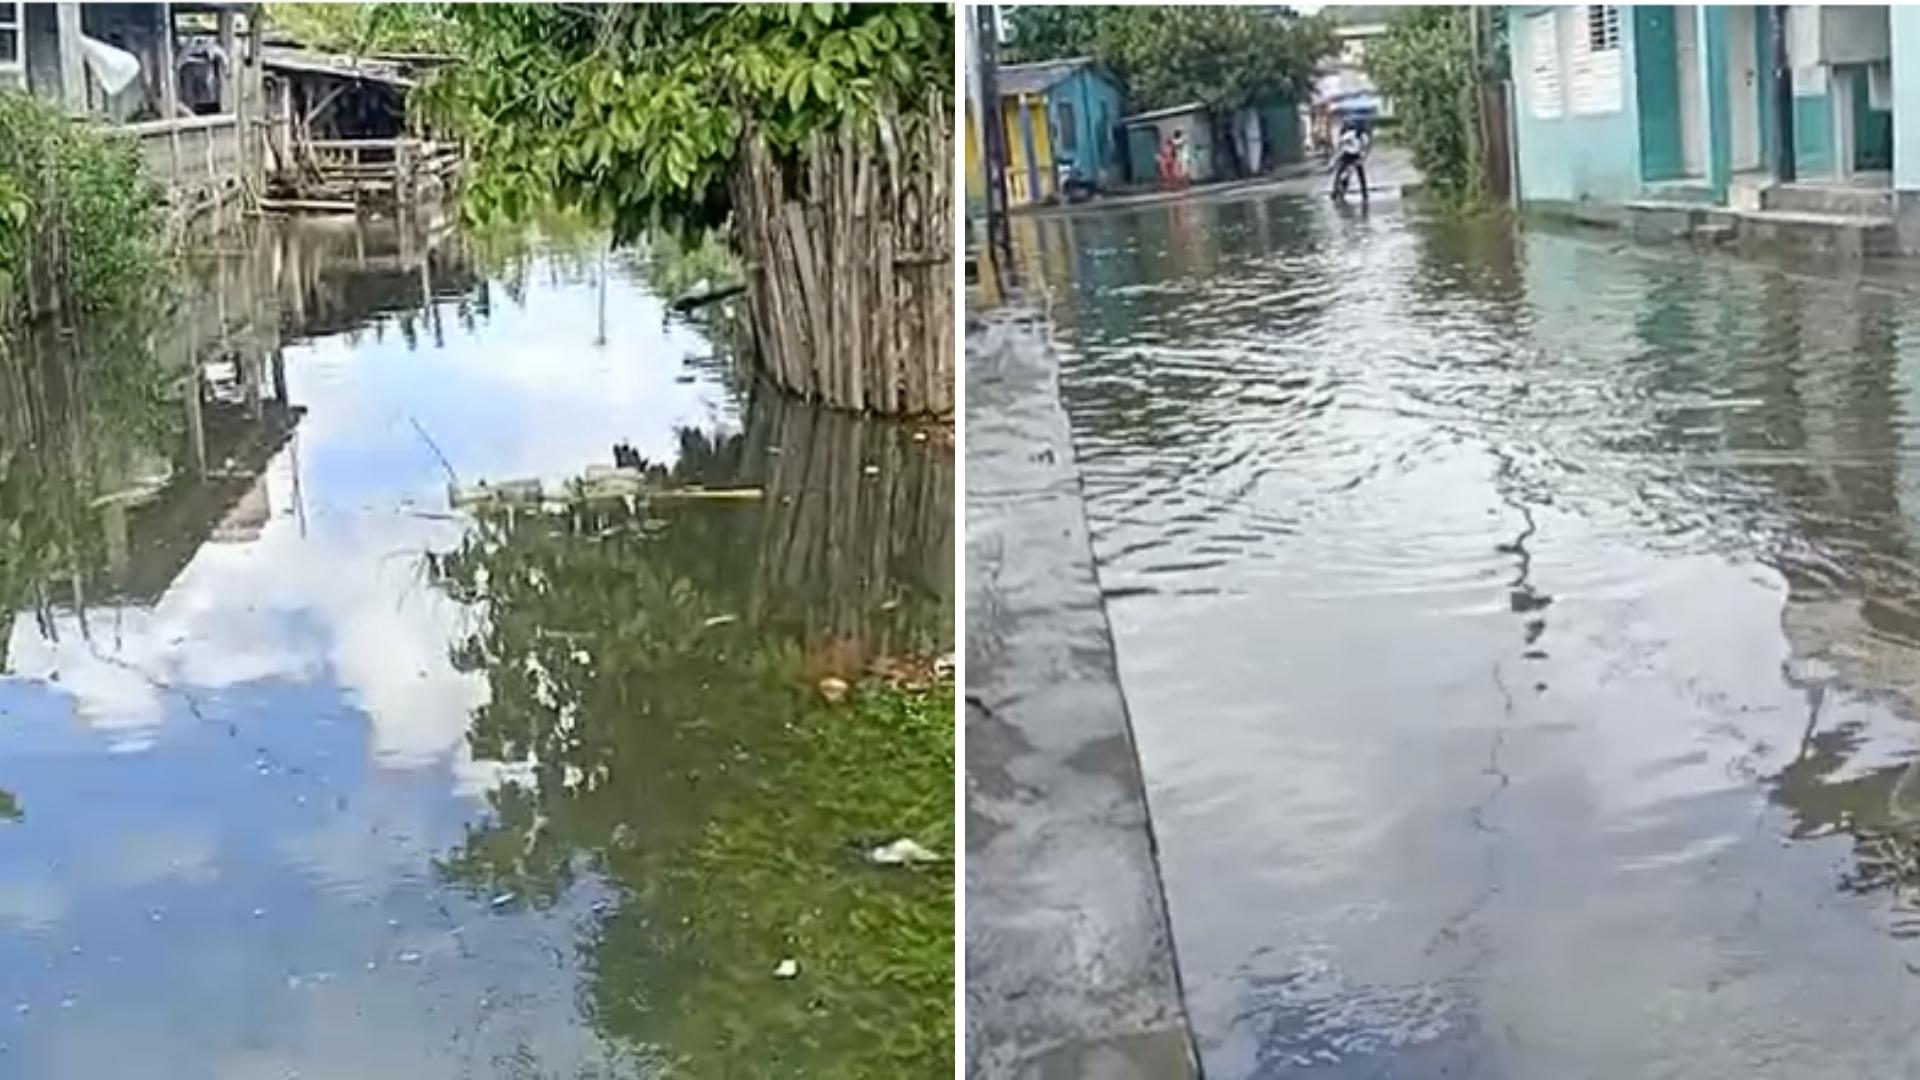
<point>849,262</point>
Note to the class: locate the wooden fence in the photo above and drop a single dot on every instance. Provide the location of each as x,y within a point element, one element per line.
<point>200,161</point>
<point>850,262</point>
<point>857,533</point>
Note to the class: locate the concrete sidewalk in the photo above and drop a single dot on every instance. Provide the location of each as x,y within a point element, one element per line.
<point>1281,179</point>
<point>1070,964</point>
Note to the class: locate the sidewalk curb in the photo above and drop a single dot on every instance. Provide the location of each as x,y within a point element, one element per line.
<point>1070,963</point>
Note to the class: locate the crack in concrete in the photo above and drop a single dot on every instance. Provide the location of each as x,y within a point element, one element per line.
<point>1477,812</point>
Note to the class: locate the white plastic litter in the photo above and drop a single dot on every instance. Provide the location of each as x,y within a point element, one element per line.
<point>115,68</point>
<point>901,852</point>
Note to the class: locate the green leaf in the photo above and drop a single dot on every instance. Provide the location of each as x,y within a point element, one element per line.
<point>797,89</point>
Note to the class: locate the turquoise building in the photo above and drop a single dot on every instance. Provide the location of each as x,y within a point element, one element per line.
<point>1063,116</point>
<point>1618,105</point>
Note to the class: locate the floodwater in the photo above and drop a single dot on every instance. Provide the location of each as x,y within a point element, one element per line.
<point>305,771</point>
<point>1521,635</point>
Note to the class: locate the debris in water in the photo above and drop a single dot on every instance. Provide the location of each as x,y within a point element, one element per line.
<point>787,969</point>
<point>408,957</point>
<point>502,900</point>
<point>902,852</point>
<point>719,620</point>
<point>833,689</point>
<point>872,470</point>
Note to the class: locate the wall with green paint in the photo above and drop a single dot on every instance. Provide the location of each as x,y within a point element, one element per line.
<point>1143,155</point>
<point>1713,49</point>
<point>1872,128</point>
<point>1813,135</point>
<point>1574,157</point>
<point>1763,48</point>
<point>1280,132</point>
<point>1812,115</point>
<point>1656,68</point>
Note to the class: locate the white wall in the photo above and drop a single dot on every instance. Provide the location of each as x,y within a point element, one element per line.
<point>1854,35</point>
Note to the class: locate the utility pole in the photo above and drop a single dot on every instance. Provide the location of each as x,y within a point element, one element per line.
<point>993,142</point>
<point>1783,163</point>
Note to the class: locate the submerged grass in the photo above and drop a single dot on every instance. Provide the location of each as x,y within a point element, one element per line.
<point>783,874</point>
<point>689,761</point>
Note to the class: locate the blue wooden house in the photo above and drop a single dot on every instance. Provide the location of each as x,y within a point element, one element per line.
<point>1061,117</point>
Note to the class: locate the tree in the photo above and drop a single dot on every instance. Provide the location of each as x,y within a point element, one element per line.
<point>1426,64</point>
<point>1222,57</point>
<point>1050,33</point>
<point>636,112</point>
<point>359,29</point>
<point>819,135</point>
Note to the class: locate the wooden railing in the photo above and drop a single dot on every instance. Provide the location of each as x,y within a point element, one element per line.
<point>362,171</point>
<point>193,157</point>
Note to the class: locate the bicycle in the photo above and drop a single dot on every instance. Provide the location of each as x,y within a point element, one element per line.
<point>1343,173</point>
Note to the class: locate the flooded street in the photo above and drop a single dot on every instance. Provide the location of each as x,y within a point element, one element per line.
<point>1520,637</point>
<point>306,771</point>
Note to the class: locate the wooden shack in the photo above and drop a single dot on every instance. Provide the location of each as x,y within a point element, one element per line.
<point>180,81</point>
<point>339,136</point>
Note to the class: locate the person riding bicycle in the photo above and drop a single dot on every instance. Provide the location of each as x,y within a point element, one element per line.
<point>1355,141</point>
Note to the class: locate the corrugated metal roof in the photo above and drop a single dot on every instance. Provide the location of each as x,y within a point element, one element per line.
<point>1040,77</point>
<point>313,61</point>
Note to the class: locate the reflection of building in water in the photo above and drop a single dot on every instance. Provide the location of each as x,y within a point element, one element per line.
<point>333,275</point>
<point>238,418</point>
<point>124,448</point>
<point>247,517</point>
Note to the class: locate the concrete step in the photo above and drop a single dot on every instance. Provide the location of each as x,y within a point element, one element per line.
<point>1677,191</point>
<point>1824,199</point>
<point>1852,235</point>
<point>1675,219</point>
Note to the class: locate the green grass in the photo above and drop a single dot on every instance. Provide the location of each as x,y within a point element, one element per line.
<point>782,874</point>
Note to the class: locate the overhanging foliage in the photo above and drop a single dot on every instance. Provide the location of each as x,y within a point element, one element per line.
<point>635,113</point>
<point>1222,57</point>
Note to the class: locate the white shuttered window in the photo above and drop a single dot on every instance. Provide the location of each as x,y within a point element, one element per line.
<point>1543,75</point>
<point>1595,67</point>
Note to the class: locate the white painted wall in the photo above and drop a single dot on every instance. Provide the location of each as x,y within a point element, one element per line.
<point>1743,88</point>
<point>1693,128</point>
<point>1854,35</point>
<point>1594,71</point>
